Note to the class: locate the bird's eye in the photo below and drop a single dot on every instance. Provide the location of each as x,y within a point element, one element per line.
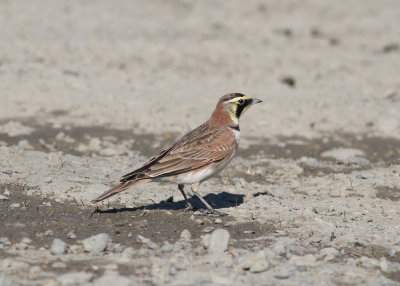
<point>240,101</point>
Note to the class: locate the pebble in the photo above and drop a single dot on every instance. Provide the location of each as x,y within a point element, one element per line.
<point>71,235</point>
<point>34,269</point>
<point>59,264</point>
<point>97,243</point>
<point>280,247</point>
<point>282,274</point>
<point>308,260</point>
<point>344,240</point>
<point>15,128</point>
<point>218,241</point>
<point>4,242</point>
<point>368,263</point>
<point>3,197</point>
<point>74,278</point>
<point>8,172</point>
<point>94,144</point>
<point>75,248</point>
<point>58,247</point>
<point>20,246</point>
<point>112,278</point>
<point>387,266</point>
<point>255,263</point>
<point>329,253</point>
<point>208,229</point>
<point>218,221</point>
<point>343,153</point>
<point>323,227</point>
<point>205,240</point>
<point>13,206</point>
<point>150,244</point>
<point>49,232</point>
<point>186,235</point>
<point>199,221</point>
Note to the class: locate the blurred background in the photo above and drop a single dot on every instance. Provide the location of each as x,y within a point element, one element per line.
<point>321,67</point>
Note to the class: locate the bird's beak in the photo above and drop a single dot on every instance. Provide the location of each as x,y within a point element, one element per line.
<point>255,101</point>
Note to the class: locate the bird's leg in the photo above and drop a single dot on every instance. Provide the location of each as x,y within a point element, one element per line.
<point>188,204</point>
<point>209,210</point>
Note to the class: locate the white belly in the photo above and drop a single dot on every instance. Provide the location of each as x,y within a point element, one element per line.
<point>194,176</point>
<point>198,176</point>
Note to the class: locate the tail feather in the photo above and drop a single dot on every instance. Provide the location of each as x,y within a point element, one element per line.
<point>119,188</point>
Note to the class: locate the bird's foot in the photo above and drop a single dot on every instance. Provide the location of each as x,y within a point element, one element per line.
<point>189,207</point>
<point>210,212</point>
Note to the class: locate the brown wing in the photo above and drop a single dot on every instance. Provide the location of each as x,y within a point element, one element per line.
<point>198,148</point>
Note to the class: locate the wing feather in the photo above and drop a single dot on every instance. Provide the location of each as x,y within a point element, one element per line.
<point>198,148</point>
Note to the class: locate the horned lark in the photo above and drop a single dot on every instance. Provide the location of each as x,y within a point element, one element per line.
<point>197,156</point>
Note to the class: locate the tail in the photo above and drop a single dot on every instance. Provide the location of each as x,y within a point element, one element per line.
<point>119,188</point>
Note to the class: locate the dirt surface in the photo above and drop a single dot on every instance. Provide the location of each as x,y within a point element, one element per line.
<point>91,90</point>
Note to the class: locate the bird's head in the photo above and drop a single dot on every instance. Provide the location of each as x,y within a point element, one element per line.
<point>234,105</point>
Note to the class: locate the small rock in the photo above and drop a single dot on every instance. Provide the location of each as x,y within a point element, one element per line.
<point>49,232</point>
<point>186,235</point>
<point>59,264</point>
<point>345,240</point>
<point>8,172</point>
<point>13,206</point>
<point>289,81</point>
<point>280,247</point>
<point>323,227</point>
<point>58,247</point>
<point>218,221</point>
<point>128,252</point>
<point>71,235</point>
<point>368,263</point>
<point>15,128</point>
<point>94,144</point>
<point>329,253</point>
<point>74,278</point>
<point>150,244</point>
<point>218,241</point>
<point>48,180</point>
<point>20,246</point>
<point>26,240</point>
<point>208,229</point>
<point>142,223</point>
<point>199,221</point>
<point>34,269</point>
<point>282,274</point>
<point>308,260</point>
<point>269,254</point>
<point>205,240</point>
<point>75,249</point>
<point>387,266</point>
<point>3,197</point>
<point>113,279</point>
<point>97,243</point>
<point>256,263</point>
<point>393,96</point>
<point>4,242</point>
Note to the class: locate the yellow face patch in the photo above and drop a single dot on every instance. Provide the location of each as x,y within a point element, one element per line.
<point>237,106</point>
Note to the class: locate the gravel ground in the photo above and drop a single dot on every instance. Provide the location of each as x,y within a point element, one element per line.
<point>91,90</point>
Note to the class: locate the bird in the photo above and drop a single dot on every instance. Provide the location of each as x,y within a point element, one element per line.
<point>197,156</point>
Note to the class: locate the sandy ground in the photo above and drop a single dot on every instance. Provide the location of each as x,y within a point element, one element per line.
<point>91,89</point>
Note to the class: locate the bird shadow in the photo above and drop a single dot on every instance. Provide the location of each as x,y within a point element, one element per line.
<point>217,201</point>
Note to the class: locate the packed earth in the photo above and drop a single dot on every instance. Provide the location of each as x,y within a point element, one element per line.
<point>90,90</point>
